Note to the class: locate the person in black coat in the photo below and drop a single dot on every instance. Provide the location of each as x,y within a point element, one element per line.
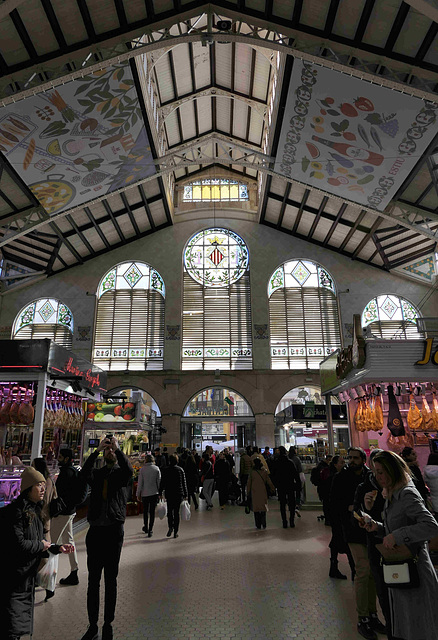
<point>104,541</point>
<point>192,479</point>
<point>173,484</point>
<point>287,481</point>
<point>222,475</point>
<point>342,498</point>
<point>23,544</point>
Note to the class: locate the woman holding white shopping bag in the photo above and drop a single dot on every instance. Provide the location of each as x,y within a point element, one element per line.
<point>22,540</point>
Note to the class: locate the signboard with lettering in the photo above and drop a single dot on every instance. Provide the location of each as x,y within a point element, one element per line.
<point>45,355</point>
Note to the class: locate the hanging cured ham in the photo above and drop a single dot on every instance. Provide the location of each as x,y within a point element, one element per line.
<point>378,414</point>
<point>13,411</point>
<point>395,420</point>
<point>435,411</point>
<point>427,416</point>
<point>369,418</point>
<point>359,416</point>
<point>415,419</point>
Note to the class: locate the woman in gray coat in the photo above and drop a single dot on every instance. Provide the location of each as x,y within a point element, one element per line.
<point>257,492</point>
<point>414,612</point>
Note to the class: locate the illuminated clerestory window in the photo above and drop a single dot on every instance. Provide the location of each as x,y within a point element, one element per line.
<point>216,190</point>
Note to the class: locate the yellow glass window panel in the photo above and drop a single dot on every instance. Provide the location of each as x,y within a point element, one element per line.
<point>234,191</point>
<point>225,192</point>
<point>215,192</point>
<point>197,192</point>
<point>206,192</point>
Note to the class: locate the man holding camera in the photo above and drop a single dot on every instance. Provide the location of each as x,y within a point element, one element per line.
<point>106,516</point>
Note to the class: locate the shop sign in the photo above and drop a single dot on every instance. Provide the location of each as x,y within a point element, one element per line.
<point>67,364</point>
<point>428,356</point>
<point>103,412</point>
<point>317,413</point>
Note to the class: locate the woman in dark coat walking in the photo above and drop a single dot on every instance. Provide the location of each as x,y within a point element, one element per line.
<point>222,475</point>
<point>173,483</point>
<point>257,492</point>
<point>22,535</point>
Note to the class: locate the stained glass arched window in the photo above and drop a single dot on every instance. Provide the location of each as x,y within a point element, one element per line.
<point>216,190</point>
<point>391,317</point>
<point>217,305</point>
<point>45,318</point>
<point>304,317</point>
<point>129,332</point>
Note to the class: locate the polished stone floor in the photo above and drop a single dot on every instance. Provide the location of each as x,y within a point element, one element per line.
<point>222,578</point>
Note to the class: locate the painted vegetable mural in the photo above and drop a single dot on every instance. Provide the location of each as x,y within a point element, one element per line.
<point>79,141</point>
<point>355,143</point>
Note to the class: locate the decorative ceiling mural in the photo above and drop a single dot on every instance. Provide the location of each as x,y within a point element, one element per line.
<point>79,141</point>
<point>356,140</point>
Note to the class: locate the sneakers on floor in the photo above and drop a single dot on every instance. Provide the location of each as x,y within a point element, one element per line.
<point>376,625</point>
<point>365,629</point>
<point>72,579</point>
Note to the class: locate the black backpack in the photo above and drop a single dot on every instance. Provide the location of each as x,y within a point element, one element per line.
<point>315,475</point>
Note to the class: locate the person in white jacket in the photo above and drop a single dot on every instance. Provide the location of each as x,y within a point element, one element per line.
<point>430,474</point>
<point>148,491</point>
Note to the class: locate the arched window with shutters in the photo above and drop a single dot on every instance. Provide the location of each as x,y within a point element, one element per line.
<point>45,318</point>
<point>217,304</point>
<point>391,317</point>
<point>129,332</point>
<point>303,313</point>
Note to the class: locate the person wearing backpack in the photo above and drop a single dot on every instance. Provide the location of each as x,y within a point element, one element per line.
<point>62,525</point>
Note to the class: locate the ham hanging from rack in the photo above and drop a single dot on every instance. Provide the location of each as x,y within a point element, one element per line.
<point>26,411</point>
<point>427,416</point>
<point>415,419</point>
<point>435,411</point>
<point>378,414</point>
<point>368,421</point>
<point>359,416</point>
<point>13,411</point>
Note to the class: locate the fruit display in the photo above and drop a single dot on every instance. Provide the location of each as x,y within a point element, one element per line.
<point>111,412</point>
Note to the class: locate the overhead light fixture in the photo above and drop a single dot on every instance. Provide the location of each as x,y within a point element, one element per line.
<point>223,25</point>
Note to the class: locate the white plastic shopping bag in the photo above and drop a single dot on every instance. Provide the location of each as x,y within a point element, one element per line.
<point>162,509</point>
<point>46,577</point>
<point>185,510</point>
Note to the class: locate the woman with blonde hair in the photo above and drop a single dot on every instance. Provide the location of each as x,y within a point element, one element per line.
<point>406,521</point>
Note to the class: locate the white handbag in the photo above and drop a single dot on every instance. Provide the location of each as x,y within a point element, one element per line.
<point>396,574</point>
<point>162,509</point>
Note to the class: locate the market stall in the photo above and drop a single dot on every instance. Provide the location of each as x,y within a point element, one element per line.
<point>390,388</point>
<point>43,389</point>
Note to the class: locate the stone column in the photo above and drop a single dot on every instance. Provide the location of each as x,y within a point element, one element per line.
<point>265,430</point>
<point>172,438</point>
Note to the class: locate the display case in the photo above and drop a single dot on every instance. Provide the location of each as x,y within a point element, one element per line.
<point>10,483</point>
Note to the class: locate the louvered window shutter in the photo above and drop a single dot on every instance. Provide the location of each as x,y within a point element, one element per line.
<point>394,330</point>
<point>304,327</point>
<point>129,330</point>
<point>59,334</point>
<point>216,326</point>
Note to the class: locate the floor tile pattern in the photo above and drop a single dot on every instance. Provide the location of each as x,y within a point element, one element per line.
<point>221,579</point>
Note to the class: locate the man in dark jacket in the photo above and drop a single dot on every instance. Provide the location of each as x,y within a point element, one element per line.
<point>173,484</point>
<point>342,494</point>
<point>106,515</point>
<point>287,480</point>
<point>61,528</point>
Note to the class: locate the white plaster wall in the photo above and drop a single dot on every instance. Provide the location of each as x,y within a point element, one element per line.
<point>268,249</point>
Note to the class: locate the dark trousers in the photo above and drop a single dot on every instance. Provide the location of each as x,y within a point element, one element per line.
<point>149,506</point>
<point>192,495</point>
<point>243,483</point>
<point>381,588</point>
<point>104,545</point>
<point>223,492</point>
<point>287,497</point>
<point>173,507</point>
<point>260,519</point>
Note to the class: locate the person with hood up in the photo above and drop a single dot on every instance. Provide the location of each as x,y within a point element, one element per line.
<point>23,543</point>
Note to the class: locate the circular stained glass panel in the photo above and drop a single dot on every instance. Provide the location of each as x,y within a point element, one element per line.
<point>216,257</point>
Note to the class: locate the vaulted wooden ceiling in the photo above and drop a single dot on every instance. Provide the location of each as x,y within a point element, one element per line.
<point>213,98</point>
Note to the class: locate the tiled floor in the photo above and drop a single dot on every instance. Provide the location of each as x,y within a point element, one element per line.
<point>222,578</point>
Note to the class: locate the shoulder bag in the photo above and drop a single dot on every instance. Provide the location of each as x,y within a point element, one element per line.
<point>399,567</point>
